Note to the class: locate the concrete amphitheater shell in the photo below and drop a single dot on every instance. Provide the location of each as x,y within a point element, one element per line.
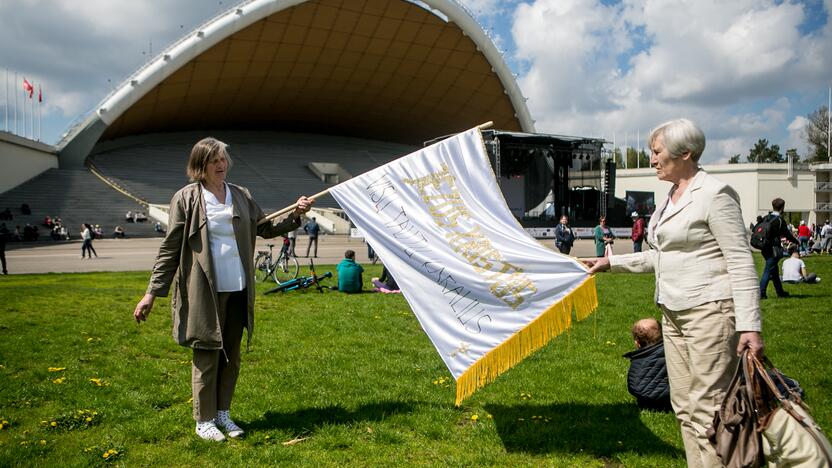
<point>393,70</point>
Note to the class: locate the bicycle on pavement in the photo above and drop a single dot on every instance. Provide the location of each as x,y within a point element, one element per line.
<point>281,269</point>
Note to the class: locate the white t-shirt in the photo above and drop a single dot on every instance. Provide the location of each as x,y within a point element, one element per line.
<point>228,267</point>
<point>826,231</point>
<point>791,269</point>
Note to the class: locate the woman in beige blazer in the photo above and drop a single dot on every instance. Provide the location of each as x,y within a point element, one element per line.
<point>207,255</point>
<point>706,284</point>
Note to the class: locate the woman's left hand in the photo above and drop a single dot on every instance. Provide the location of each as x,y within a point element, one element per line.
<point>304,205</point>
<point>753,341</point>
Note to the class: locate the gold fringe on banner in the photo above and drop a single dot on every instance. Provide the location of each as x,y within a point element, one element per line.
<point>551,323</point>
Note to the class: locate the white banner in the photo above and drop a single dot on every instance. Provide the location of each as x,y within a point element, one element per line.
<point>486,293</point>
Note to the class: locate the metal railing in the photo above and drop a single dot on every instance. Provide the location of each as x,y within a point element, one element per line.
<point>823,186</point>
<point>116,186</point>
<point>823,206</point>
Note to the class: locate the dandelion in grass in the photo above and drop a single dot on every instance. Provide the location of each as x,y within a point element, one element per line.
<point>4,424</point>
<point>59,380</point>
<point>525,396</point>
<point>610,343</point>
<point>57,369</point>
<point>99,382</point>
<point>474,417</point>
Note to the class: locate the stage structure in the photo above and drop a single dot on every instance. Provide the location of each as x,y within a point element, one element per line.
<point>544,176</point>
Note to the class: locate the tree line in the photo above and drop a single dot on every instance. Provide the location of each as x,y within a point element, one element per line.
<point>816,133</point>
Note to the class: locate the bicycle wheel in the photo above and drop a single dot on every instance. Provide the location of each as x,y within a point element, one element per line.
<point>262,268</point>
<point>286,268</point>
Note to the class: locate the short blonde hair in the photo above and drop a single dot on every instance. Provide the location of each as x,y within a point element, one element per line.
<point>680,136</point>
<point>202,153</point>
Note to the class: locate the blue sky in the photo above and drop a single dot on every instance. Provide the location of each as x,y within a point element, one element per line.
<point>743,69</point>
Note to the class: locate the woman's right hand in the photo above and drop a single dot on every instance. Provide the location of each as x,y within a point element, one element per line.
<point>143,308</point>
<point>596,265</point>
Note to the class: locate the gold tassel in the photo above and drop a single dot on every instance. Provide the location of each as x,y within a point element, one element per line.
<point>551,323</point>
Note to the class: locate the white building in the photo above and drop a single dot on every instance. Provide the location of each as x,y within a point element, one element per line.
<point>807,189</point>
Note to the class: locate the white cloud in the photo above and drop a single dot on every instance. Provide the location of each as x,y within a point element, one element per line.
<point>797,135</point>
<point>595,69</point>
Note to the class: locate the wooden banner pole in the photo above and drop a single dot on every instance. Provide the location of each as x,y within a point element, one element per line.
<point>270,217</point>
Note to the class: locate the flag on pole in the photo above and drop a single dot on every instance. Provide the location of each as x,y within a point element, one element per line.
<point>486,293</point>
<point>28,87</point>
<point>40,94</point>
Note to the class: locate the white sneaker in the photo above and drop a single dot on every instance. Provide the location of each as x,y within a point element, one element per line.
<point>208,431</point>
<point>224,421</point>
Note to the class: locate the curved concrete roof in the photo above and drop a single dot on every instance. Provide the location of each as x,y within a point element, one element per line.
<point>393,70</point>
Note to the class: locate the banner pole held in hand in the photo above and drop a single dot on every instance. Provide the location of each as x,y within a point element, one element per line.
<point>289,208</point>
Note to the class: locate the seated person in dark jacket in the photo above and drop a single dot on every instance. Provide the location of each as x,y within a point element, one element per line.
<point>647,377</point>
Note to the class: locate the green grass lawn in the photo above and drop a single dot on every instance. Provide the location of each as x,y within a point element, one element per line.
<point>354,376</point>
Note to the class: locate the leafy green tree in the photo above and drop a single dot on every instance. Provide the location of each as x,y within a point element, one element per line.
<point>817,132</point>
<point>763,153</point>
<point>791,155</point>
<point>735,159</point>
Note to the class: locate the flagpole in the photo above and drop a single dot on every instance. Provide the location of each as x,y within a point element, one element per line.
<point>626,151</point>
<point>638,148</point>
<point>15,106</point>
<point>40,112</point>
<point>6,102</point>
<point>324,192</point>
<point>32,116</point>
<point>24,112</point>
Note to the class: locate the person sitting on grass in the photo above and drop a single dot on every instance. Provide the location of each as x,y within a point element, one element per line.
<point>647,377</point>
<point>349,274</point>
<point>794,270</point>
<point>386,283</point>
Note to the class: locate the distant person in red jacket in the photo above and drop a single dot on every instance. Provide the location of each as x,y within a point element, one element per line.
<point>638,231</point>
<point>803,235</point>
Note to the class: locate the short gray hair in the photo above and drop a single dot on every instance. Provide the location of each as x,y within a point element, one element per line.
<point>680,136</point>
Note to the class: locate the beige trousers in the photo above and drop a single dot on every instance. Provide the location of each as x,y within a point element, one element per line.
<point>700,346</point>
<point>214,373</point>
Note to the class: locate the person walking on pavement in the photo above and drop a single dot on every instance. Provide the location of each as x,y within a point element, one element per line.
<point>638,231</point>
<point>312,228</point>
<point>774,252</point>
<point>292,238</point>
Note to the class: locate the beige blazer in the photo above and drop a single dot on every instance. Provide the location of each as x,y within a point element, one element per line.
<point>185,261</point>
<point>700,252</point>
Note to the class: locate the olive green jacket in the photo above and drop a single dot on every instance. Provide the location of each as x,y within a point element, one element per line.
<point>185,261</point>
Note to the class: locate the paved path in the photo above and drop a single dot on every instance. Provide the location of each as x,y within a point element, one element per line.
<point>140,254</point>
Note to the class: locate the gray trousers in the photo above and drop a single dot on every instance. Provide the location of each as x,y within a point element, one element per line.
<point>215,371</point>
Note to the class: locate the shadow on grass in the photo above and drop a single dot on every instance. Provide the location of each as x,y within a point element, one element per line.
<point>306,419</point>
<point>600,430</point>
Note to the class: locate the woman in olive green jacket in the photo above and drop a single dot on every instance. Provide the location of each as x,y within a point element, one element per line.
<point>207,255</point>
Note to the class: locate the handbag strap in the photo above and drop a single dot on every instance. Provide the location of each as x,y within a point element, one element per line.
<point>779,375</point>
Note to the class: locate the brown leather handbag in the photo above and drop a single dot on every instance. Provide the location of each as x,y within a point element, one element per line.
<point>757,423</point>
<point>734,431</point>
<point>791,437</point>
